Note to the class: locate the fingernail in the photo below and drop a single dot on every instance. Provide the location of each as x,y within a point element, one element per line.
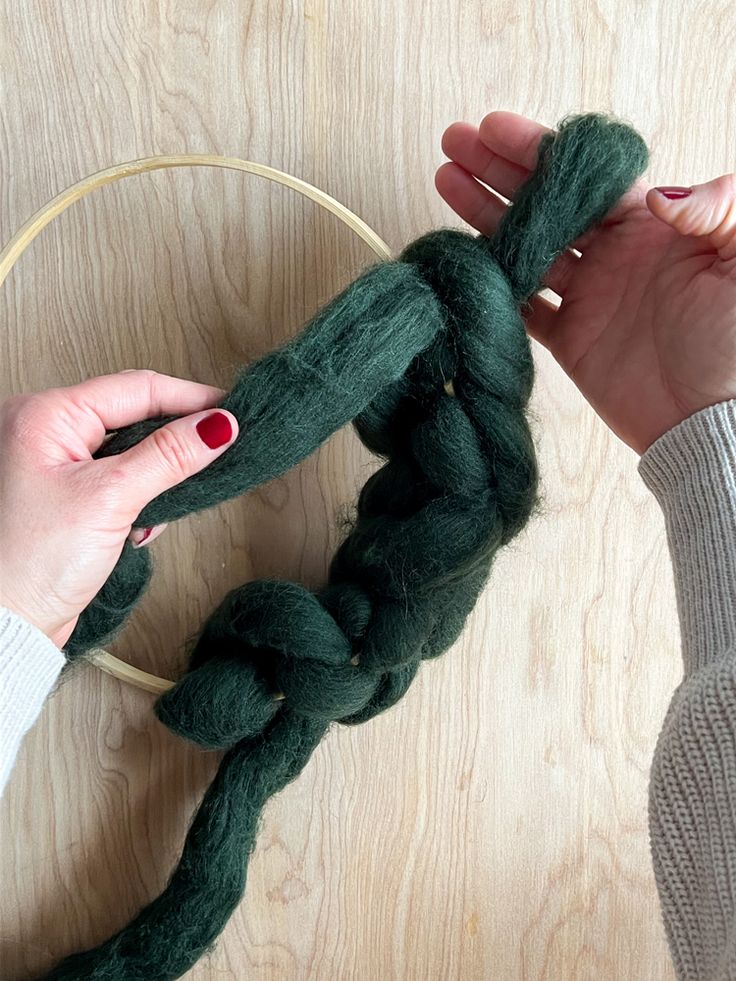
<point>145,534</point>
<point>215,430</point>
<point>674,193</point>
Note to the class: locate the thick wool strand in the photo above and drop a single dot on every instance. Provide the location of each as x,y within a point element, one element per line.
<point>459,481</point>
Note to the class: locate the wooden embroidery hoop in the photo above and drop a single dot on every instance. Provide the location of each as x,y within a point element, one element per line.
<point>36,223</point>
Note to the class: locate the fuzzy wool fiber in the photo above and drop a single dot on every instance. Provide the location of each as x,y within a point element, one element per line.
<point>459,481</point>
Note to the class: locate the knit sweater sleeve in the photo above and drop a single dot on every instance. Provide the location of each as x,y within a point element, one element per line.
<point>30,663</point>
<point>691,470</point>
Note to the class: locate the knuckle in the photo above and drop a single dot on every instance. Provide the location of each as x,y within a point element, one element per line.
<point>723,220</point>
<point>174,450</point>
<point>150,377</point>
<point>110,486</point>
<point>116,476</point>
<point>153,379</point>
<point>149,374</point>
<point>106,488</point>
<point>19,413</point>
<point>728,184</point>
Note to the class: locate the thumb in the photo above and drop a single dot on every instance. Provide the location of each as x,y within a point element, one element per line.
<point>171,454</point>
<point>703,210</point>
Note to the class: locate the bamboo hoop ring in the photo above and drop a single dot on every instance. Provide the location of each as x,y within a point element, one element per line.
<point>36,223</point>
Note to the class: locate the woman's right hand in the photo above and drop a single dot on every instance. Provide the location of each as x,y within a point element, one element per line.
<point>647,324</point>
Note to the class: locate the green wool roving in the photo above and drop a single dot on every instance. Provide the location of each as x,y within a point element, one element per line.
<point>458,482</point>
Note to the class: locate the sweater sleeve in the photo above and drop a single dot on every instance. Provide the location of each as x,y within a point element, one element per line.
<point>30,663</point>
<point>691,470</point>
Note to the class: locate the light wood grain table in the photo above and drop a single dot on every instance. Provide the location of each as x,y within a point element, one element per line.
<point>493,824</point>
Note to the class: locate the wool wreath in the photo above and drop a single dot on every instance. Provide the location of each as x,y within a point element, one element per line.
<point>459,482</point>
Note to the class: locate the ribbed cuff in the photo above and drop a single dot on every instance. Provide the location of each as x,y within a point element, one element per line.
<point>691,470</point>
<point>29,666</point>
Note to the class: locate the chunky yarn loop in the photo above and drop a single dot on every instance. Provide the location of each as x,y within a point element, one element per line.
<point>459,482</point>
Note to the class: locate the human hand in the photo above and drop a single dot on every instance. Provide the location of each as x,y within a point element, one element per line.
<point>64,517</point>
<point>647,324</point>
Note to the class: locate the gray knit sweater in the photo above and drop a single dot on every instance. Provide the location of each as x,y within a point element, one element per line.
<point>691,470</point>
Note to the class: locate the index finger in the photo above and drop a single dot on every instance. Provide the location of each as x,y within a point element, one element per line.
<point>513,136</point>
<point>125,397</point>
<point>517,139</point>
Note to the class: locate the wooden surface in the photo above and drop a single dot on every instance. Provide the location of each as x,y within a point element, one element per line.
<point>492,825</point>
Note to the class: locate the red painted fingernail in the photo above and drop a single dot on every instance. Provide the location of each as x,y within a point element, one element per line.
<point>144,536</point>
<point>674,193</point>
<point>215,430</point>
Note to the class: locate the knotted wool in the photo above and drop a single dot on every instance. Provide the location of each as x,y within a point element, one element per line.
<point>459,481</point>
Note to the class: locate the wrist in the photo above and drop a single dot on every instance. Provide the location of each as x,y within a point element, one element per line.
<point>690,470</point>
<point>10,603</point>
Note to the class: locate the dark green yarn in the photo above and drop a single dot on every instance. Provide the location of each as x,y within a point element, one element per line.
<point>459,481</point>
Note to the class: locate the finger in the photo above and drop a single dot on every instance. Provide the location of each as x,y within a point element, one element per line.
<point>516,138</point>
<point>109,402</point>
<point>541,319</point>
<point>140,537</point>
<point>513,136</point>
<point>483,209</point>
<point>475,204</point>
<point>167,457</point>
<point>461,142</point>
<point>707,210</point>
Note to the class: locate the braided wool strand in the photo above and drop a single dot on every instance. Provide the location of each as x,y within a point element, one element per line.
<point>459,481</point>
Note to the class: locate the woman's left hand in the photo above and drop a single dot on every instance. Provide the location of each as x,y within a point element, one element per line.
<point>64,517</point>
